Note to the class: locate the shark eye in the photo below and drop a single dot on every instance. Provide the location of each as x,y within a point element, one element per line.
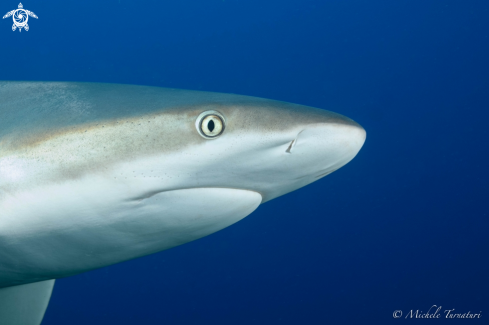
<point>210,124</point>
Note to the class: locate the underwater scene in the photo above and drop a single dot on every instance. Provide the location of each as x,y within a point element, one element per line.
<point>244,162</point>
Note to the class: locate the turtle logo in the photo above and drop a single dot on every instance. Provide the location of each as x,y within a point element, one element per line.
<point>20,17</point>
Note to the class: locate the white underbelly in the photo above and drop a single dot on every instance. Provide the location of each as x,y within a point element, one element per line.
<point>64,229</point>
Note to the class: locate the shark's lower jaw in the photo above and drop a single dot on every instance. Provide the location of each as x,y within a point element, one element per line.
<point>119,230</point>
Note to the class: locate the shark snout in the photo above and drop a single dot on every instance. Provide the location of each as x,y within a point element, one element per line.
<point>324,147</point>
<point>313,151</point>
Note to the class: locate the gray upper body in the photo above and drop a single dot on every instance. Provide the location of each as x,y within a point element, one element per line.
<point>95,174</point>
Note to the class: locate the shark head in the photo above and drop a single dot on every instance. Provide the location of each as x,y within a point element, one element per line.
<point>264,146</point>
<point>96,174</point>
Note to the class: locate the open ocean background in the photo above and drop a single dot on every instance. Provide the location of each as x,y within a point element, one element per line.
<point>403,226</point>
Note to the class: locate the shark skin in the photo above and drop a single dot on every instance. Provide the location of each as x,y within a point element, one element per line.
<point>96,174</point>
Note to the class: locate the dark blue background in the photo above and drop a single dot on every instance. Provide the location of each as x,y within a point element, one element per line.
<point>403,226</point>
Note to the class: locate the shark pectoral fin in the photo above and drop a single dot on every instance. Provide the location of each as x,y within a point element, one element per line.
<point>25,304</point>
<point>172,218</point>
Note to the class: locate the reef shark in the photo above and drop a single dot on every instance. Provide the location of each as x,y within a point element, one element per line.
<point>96,174</point>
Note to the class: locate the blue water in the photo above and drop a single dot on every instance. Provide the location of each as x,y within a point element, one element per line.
<point>404,226</point>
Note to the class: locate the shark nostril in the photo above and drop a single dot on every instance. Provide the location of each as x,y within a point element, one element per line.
<point>293,143</point>
<point>289,149</point>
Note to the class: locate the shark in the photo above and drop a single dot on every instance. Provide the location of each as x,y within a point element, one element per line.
<point>94,174</point>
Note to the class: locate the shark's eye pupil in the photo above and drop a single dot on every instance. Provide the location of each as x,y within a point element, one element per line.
<point>210,124</point>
